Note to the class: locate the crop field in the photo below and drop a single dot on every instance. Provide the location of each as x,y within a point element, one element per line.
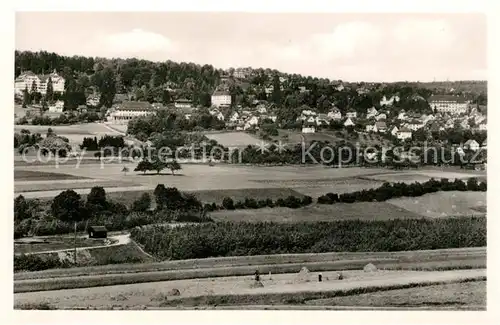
<point>318,212</point>
<point>239,289</point>
<point>421,176</point>
<point>42,186</point>
<point>233,139</point>
<point>30,175</point>
<point>74,133</point>
<point>452,294</point>
<point>442,204</point>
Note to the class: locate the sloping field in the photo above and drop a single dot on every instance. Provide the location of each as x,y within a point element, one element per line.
<point>318,212</point>
<point>233,139</point>
<point>421,176</point>
<point>454,294</point>
<point>31,175</point>
<point>44,186</point>
<point>230,290</point>
<point>442,204</point>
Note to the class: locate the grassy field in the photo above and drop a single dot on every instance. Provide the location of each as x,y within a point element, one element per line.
<point>233,139</point>
<point>31,175</point>
<point>318,212</point>
<point>442,204</point>
<point>54,185</point>
<point>440,258</point>
<point>279,288</point>
<point>465,293</point>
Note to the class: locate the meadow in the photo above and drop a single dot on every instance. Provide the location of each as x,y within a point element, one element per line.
<point>233,139</point>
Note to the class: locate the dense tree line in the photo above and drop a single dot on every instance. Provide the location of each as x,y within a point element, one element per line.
<point>63,119</point>
<point>33,217</point>
<point>238,239</point>
<point>103,142</point>
<point>291,202</point>
<point>389,191</point>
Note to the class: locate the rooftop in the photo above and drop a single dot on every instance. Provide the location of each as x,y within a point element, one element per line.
<point>447,98</point>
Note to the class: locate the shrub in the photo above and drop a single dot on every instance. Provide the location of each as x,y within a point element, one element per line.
<point>227,203</point>
<point>142,204</point>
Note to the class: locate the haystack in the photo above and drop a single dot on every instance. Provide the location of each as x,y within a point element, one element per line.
<point>256,284</point>
<point>174,292</point>
<point>370,268</point>
<point>303,275</point>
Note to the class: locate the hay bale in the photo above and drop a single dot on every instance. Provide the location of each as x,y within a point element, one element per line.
<point>303,275</point>
<point>370,268</point>
<point>256,284</point>
<point>119,297</point>
<point>174,292</point>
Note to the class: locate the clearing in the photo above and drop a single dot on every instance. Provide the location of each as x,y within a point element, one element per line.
<point>318,212</point>
<point>442,204</point>
<point>233,139</point>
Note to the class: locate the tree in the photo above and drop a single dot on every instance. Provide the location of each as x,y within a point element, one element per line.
<point>142,204</point>
<point>96,200</point>
<point>173,166</point>
<point>34,87</point>
<point>144,166</point>
<point>68,207</point>
<point>49,95</point>
<point>228,203</point>
<point>21,208</point>
<point>26,97</point>
<point>125,170</point>
<point>160,196</point>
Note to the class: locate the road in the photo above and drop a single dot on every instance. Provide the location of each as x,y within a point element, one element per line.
<point>121,239</point>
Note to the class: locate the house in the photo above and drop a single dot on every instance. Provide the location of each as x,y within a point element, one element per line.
<point>262,109</point>
<point>240,73</point>
<point>273,118</point>
<point>348,122</point>
<point>351,113</point>
<point>97,232</point>
<point>308,128</point>
<point>380,126</point>
<point>311,119</point>
<point>93,101</point>
<point>371,112</point>
<point>335,114</point>
<point>126,111</point>
<point>404,133</point>
<point>234,117</point>
<point>464,124</point>
<point>302,89</point>
<point>182,103</point>
<point>448,104</point>
<point>414,125</point>
<point>221,98</point>
<point>219,116</point>
<point>57,107</point>
<point>370,127</point>
<point>402,115</point>
<point>381,116</point>
<point>322,119</point>
<point>269,89</point>
<point>483,126</point>
<point>28,79</point>
<point>390,101</point>
<point>394,131</point>
<point>254,120</point>
<point>471,145</point>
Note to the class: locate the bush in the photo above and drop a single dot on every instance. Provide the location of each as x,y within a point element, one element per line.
<point>218,239</point>
<point>142,204</point>
<point>37,263</point>
<point>227,203</point>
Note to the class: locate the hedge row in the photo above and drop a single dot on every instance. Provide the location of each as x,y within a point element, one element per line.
<point>388,191</point>
<point>239,239</point>
<point>249,203</point>
<point>37,263</point>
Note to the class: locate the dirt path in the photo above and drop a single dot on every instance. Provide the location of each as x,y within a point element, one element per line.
<point>121,239</point>
<point>140,294</point>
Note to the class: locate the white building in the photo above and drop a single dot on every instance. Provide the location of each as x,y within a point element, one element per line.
<point>404,133</point>
<point>26,80</point>
<point>380,126</point>
<point>394,131</point>
<point>414,125</point>
<point>390,101</point>
<point>335,114</point>
<point>308,128</point>
<point>381,116</point>
<point>449,104</point>
<point>348,122</point>
<point>234,117</point>
<point>57,107</point>
<point>182,103</point>
<point>471,145</point>
<point>483,126</point>
<point>126,111</point>
<point>371,112</point>
<point>351,114</point>
<point>221,98</point>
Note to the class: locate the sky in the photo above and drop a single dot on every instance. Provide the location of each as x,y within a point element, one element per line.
<point>372,47</point>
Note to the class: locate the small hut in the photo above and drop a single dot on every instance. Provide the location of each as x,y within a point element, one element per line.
<point>97,232</point>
